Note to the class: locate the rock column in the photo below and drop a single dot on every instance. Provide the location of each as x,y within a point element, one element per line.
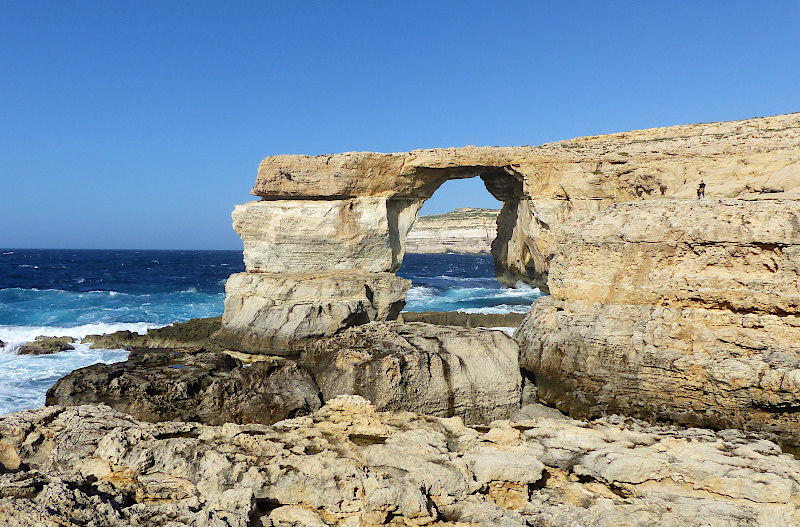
<point>314,267</point>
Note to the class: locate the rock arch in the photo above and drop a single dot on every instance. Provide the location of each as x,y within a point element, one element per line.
<point>322,245</point>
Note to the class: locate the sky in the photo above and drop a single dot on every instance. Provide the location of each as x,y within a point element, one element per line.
<point>140,125</point>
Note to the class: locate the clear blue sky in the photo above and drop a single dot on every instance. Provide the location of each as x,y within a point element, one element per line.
<point>139,124</point>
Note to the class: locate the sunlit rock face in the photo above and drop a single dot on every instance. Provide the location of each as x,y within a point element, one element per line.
<point>352,211</point>
<point>681,310</point>
<point>305,236</point>
<point>267,312</point>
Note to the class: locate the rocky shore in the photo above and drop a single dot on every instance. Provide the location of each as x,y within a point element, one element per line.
<point>670,331</point>
<point>348,464</point>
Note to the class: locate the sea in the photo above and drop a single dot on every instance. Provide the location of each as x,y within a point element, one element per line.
<point>81,292</point>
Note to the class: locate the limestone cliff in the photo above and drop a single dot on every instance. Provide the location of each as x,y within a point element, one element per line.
<point>463,231</point>
<point>680,310</point>
<point>542,186</point>
<point>351,213</point>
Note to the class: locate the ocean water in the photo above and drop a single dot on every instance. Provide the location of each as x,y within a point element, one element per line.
<point>82,292</point>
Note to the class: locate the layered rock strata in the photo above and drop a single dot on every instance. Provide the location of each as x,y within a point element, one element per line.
<point>543,186</point>
<point>433,370</point>
<point>463,231</point>
<point>353,211</point>
<point>678,310</point>
<point>268,312</point>
<point>349,465</point>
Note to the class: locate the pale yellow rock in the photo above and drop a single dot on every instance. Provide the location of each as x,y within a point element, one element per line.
<point>681,310</point>
<point>302,236</point>
<point>546,185</point>
<point>728,254</point>
<point>349,465</point>
<point>266,312</point>
<point>463,231</point>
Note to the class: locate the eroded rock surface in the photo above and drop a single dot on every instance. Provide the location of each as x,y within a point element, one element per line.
<point>435,370</point>
<point>680,310</point>
<point>463,231</point>
<point>350,465</point>
<point>192,334</point>
<point>302,236</point>
<point>352,211</point>
<point>214,388</point>
<point>268,312</point>
<point>43,345</point>
<point>543,186</point>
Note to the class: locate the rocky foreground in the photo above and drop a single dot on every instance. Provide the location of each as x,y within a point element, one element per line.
<point>349,465</point>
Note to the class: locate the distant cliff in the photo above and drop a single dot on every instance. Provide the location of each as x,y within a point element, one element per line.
<point>463,231</point>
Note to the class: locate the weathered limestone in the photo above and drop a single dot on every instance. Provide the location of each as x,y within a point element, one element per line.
<point>681,310</point>
<point>353,210</point>
<point>728,254</point>
<point>212,388</point>
<point>349,465</point>
<point>267,312</point>
<point>428,369</point>
<point>463,231</point>
<point>306,236</point>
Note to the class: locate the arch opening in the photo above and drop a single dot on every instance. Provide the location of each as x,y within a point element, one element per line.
<point>451,250</point>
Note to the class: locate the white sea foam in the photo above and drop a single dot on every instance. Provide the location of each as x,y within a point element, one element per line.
<point>24,379</point>
<point>420,292</point>
<point>15,336</point>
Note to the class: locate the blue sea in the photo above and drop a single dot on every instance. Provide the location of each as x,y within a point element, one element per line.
<point>82,292</point>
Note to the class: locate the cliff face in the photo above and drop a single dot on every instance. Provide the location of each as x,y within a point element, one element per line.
<point>681,310</point>
<point>463,231</point>
<point>352,212</point>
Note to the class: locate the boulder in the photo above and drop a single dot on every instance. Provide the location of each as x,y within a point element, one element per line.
<point>685,311</point>
<point>436,370</point>
<point>45,345</point>
<point>347,464</point>
<point>302,236</point>
<point>271,312</point>
<point>215,388</point>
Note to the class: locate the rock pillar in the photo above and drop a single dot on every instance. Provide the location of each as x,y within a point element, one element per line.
<point>314,267</point>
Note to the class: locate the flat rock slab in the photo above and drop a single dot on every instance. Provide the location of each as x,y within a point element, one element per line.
<point>348,464</point>
<point>215,388</point>
<point>436,370</point>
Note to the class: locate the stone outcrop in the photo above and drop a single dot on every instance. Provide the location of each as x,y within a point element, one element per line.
<point>268,312</point>
<point>303,236</point>
<point>192,334</point>
<point>434,370</point>
<point>213,388</point>
<point>43,345</point>
<point>349,465</point>
<point>353,211</point>
<point>546,185</point>
<point>463,231</point>
<point>678,310</point>
<point>467,320</point>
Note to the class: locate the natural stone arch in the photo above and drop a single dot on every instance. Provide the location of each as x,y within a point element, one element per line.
<point>359,208</point>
